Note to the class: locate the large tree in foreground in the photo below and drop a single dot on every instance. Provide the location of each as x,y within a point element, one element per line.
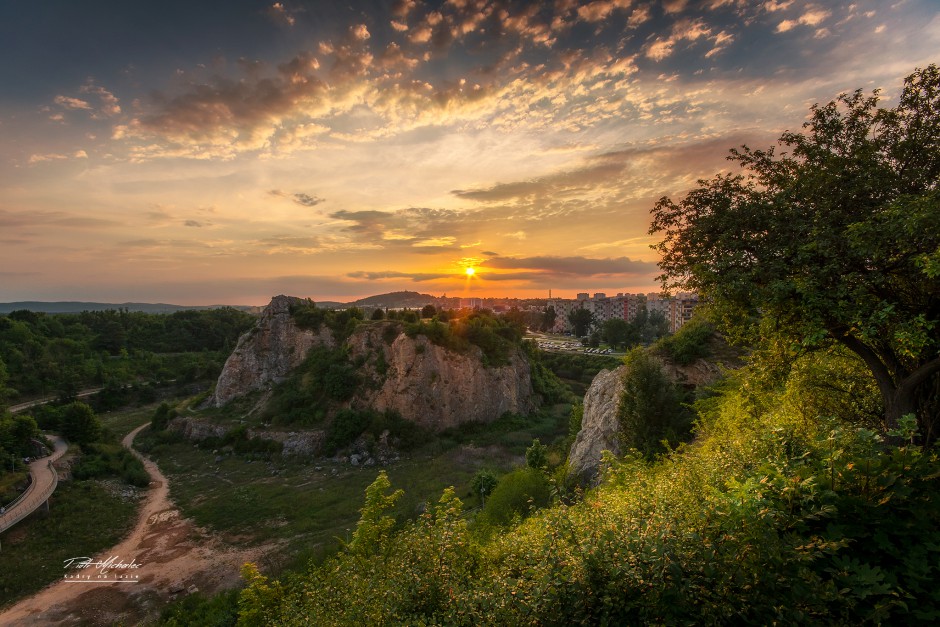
<point>835,238</point>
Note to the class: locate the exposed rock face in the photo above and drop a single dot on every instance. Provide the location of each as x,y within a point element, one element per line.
<point>425,383</point>
<point>439,388</point>
<point>599,426</point>
<point>268,352</point>
<point>193,429</point>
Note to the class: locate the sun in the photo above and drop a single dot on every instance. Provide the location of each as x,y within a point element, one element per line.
<point>470,271</point>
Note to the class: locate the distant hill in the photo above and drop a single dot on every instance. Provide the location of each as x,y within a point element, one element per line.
<point>394,300</point>
<point>77,307</point>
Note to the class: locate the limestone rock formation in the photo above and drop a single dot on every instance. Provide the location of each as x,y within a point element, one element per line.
<point>440,388</point>
<point>428,384</point>
<point>599,425</point>
<point>268,352</point>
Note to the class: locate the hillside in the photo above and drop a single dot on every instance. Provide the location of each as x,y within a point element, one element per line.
<point>59,307</point>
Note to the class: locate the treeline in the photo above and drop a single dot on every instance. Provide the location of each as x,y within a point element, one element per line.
<point>44,354</point>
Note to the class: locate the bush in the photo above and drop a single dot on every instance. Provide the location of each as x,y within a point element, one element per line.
<point>689,343</point>
<point>651,413</point>
<point>518,494</point>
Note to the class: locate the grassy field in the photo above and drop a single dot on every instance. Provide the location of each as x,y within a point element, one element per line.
<point>309,504</point>
<point>84,517</point>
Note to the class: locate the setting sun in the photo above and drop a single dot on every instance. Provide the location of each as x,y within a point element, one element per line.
<point>470,271</point>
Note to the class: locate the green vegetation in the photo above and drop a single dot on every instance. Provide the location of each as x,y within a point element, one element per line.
<point>769,518</point>
<point>63,353</point>
<point>576,370</point>
<point>689,343</point>
<point>110,460</point>
<point>807,497</point>
<point>651,413</point>
<point>833,240</point>
<point>84,517</point>
<point>497,337</point>
<point>325,378</point>
<point>16,441</point>
<point>341,322</point>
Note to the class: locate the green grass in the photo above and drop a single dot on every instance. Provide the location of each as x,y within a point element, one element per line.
<point>122,422</point>
<point>83,519</point>
<point>245,502</point>
<point>8,485</point>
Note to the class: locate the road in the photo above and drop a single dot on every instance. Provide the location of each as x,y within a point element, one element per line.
<point>45,479</point>
<point>175,556</point>
<point>15,409</point>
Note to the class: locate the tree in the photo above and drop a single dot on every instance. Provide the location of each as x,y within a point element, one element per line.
<point>483,483</point>
<point>378,314</point>
<point>836,239</point>
<point>428,311</point>
<point>536,456</point>
<point>581,319</point>
<point>616,331</point>
<point>79,423</point>
<point>548,319</point>
<point>650,409</point>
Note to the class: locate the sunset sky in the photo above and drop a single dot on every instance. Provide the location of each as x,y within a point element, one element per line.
<point>226,151</point>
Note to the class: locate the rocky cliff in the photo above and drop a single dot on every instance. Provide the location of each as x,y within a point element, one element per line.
<point>425,383</point>
<point>600,426</point>
<point>436,387</point>
<point>268,352</point>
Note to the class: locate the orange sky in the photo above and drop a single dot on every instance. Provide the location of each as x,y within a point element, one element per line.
<point>247,149</point>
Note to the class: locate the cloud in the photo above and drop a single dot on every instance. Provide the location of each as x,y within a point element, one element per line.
<point>72,103</point>
<point>193,223</point>
<point>574,266</point>
<point>812,17</point>
<point>416,277</point>
<point>52,156</point>
<point>280,14</point>
<point>300,198</point>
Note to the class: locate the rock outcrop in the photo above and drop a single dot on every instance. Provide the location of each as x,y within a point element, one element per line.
<point>425,383</point>
<point>268,352</point>
<point>436,387</point>
<point>599,425</point>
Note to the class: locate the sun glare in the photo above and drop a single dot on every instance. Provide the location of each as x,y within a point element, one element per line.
<point>470,271</point>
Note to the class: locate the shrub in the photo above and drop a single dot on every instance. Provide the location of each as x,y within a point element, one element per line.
<point>516,495</point>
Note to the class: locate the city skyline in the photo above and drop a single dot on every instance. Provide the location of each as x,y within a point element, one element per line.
<point>222,153</point>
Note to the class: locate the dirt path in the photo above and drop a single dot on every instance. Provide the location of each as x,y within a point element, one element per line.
<point>174,556</point>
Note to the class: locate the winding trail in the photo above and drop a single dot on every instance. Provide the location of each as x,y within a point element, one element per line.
<point>43,484</point>
<point>174,556</point>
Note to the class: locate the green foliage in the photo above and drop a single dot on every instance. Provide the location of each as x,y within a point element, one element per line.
<point>16,436</point>
<point>545,383</point>
<point>651,414</point>
<point>375,525</point>
<point>346,426</point>
<point>518,494</point>
<point>325,378</point>
<point>197,610</point>
<point>830,240</point>
<point>536,456</point>
<point>483,484</point>
<point>581,321</point>
<point>62,353</point>
<point>341,322</point>
<point>428,311</point>
<point>377,314</point>
<point>78,423</point>
<point>100,461</point>
<point>496,337</point>
<point>689,343</point>
<point>162,416</point>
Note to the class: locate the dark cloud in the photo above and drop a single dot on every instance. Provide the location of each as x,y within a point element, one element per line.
<point>193,223</point>
<point>416,277</point>
<point>307,200</point>
<point>575,266</point>
<point>302,199</point>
